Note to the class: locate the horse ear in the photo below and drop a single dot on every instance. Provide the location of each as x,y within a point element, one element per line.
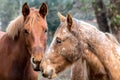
<point>43,10</point>
<point>25,10</point>
<point>69,22</point>
<point>62,18</point>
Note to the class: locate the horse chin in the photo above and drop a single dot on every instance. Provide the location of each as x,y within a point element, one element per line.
<point>52,76</point>
<point>35,67</point>
<point>49,75</point>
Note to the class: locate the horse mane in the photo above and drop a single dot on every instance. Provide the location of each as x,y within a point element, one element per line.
<point>112,38</point>
<point>108,35</point>
<point>14,27</point>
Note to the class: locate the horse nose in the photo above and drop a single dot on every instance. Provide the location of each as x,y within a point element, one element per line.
<point>47,74</point>
<point>36,61</point>
<point>36,64</point>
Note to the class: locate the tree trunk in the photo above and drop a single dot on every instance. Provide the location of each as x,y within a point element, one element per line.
<point>110,15</point>
<point>100,12</point>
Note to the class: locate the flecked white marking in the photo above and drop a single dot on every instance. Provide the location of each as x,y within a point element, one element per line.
<point>63,49</point>
<point>64,30</point>
<point>52,51</point>
<point>49,68</point>
<point>48,61</point>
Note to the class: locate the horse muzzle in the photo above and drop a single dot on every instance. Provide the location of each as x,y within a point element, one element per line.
<point>48,75</point>
<point>48,72</point>
<point>35,64</point>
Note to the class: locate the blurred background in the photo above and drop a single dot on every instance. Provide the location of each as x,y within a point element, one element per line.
<point>104,14</point>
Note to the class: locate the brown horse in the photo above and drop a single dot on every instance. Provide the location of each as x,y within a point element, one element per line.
<point>25,38</point>
<point>76,39</point>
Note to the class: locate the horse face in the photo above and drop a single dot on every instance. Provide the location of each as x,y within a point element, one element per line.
<point>62,52</point>
<point>34,32</point>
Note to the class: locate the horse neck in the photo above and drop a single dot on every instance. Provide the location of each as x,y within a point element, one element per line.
<point>89,48</point>
<point>96,41</point>
<point>90,37</point>
<point>105,49</point>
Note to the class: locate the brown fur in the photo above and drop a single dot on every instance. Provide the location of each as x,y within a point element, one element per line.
<point>80,70</point>
<point>99,50</point>
<point>98,68</point>
<point>94,70</point>
<point>18,45</point>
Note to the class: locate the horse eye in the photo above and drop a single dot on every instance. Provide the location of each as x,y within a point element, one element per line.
<point>58,40</point>
<point>46,30</point>
<point>26,32</point>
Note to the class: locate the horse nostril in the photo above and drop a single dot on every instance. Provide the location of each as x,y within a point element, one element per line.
<point>48,75</point>
<point>35,61</point>
<point>45,75</point>
<point>36,64</point>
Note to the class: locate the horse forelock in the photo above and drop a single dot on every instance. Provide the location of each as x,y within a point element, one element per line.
<point>14,27</point>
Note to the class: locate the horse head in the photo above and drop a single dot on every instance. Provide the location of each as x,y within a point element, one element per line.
<point>34,31</point>
<point>63,50</point>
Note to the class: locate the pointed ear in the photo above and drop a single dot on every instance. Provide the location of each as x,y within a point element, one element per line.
<point>69,22</point>
<point>43,10</point>
<point>25,10</point>
<point>62,18</point>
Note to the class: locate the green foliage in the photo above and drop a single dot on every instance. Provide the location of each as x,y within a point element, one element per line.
<point>52,18</point>
<point>114,13</point>
<point>116,19</point>
<point>85,7</point>
<point>7,12</point>
<point>9,9</point>
<point>55,6</point>
<point>35,3</point>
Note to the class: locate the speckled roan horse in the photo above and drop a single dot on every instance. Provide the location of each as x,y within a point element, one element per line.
<point>76,41</point>
<point>24,42</point>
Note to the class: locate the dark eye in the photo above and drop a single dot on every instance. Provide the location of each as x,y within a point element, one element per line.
<point>46,30</point>
<point>58,40</point>
<point>26,32</point>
